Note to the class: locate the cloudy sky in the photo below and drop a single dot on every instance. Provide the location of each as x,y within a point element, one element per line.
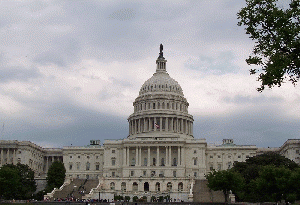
<point>70,71</point>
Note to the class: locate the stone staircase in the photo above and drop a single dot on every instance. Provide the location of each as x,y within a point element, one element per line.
<point>203,194</point>
<point>76,189</point>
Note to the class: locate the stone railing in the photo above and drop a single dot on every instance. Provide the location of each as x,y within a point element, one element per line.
<point>50,195</point>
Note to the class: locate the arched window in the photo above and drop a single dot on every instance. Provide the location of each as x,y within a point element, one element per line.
<point>146,186</point>
<point>123,186</point>
<point>169,186</point>
<point>180,186</point>
<point>157,186</point>
<point>112,186</point>
<point>135,186</point>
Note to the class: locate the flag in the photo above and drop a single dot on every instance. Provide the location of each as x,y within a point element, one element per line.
<point>156,125</point>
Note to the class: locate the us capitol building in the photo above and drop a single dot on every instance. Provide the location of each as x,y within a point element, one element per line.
<point>160,156</point>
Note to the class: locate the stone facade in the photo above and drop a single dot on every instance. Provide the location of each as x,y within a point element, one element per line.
<point>159,156</point>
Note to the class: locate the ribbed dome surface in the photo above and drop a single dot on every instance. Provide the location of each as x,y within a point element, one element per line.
<point>161,82</point>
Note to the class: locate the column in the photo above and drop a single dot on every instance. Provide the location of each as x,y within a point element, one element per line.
<point>47,164</point>
<point>154,122</point>
<point>191,128</point>
<point>179,159</point>
<point>183,160</point>
<point>149,124</point>
<point>14,157</point>
<point>2,162</point>
<point>160,124</point>
<point>144,128</point>
<point>140,156</point>
<point>124,157</point>
<point>148,161</point>
<point>167,124</point>
<point>181,126</point>
<point>157,156</point>
<point>186,127</point>
<point>136,156</point>
<point>167,156</point>
<point>7,156</point>
<point>170,156</point>
<point>127,149</point>
<point>172,125</point>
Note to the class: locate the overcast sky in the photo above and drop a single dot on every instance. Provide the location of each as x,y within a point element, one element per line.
<point>70,71</point>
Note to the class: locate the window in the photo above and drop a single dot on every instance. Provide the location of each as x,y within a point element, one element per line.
<point>229,165</point>
<point>152,173</point>
<point>157,186</point>
<point>88,157</point>
<point>161,174</point>
<point>195,161</point>
<point>79,157</point>
<point>297,151</point>
<point>144,173</point>
<point>97,157</point>
<point>174,173</point>
<point>195,174</point>
<point>180,186</point>
<point>97,166</point>
<point>113,174</point>
<point>229,156</point>
<point>133,162</point>
<point>123,186</point>
<point>132,173</point>
<point>211,156</point>
<point>219,156</point>
<point>113,161</point>
<point>135,186</point>
<point>239,156</point>
<point>162,161</point>
<point>154,160</point>
<point>71,157</point>
<point>113,151</point>
<point>78,166</point>
<point>219,166</point>
<point>70,166</point>
<point>169,186</point>
<point>247,156</point>
<point>112,186</point>
<point>211,167</point>
<point>195,151</point>
<point>88,166</point>
<point>145,161</point>
<point>174,162</point>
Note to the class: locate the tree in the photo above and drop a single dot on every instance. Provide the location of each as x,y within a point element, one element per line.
<point>277,47</point>
<point>56,175</point>
<point>17,181</point>
<point>251,171</point>
<point>225,180</point>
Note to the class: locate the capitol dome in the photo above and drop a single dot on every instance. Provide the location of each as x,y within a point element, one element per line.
<point>161,82</point>
<point>160,110</point>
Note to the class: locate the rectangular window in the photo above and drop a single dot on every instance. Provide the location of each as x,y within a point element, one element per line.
<point>211,156</point>
<point>219,156</point>
<point>195,161</point>
<point>113,151</point>
<point>97,166</point>
<point>70,167</point>
<point>113,174</point>
<point>195,151</point>
<point>144,173</point>
<point>219,166</point>
<point>239,156</point>
<point>195,174</point>
<point>174,173</point>
<point>78,166</point>
<point>132,173</point>
<point>113,162</point>
<point>211,167</point>
<point>152,173</point>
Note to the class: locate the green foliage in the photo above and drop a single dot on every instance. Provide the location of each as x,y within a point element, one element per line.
<point>127,198</point>
<point>135,198</point>
<point>16,181</point>
<point>268,177</point>
<point>277,41</point>
<point>225,180</point>
<point>55,176</point>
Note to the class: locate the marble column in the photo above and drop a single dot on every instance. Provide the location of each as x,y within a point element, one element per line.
<point>179,159</point>
<point>144,128</point>
<point>157,156</point>
<point>2,159</point>
<point>183,155</point>
<point>136,156</point>
<point>124,157</point>
<point>167,124</point>
<point>170,156</point>
<point>148,161</point>
<point>154,122</point>
<point>140,156</point>
<point>167,156</point>
<point>128,149</point>
<point>160,124</point>
<point>14,157</point>
<point>7,156</point>
<point>172,125</point>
